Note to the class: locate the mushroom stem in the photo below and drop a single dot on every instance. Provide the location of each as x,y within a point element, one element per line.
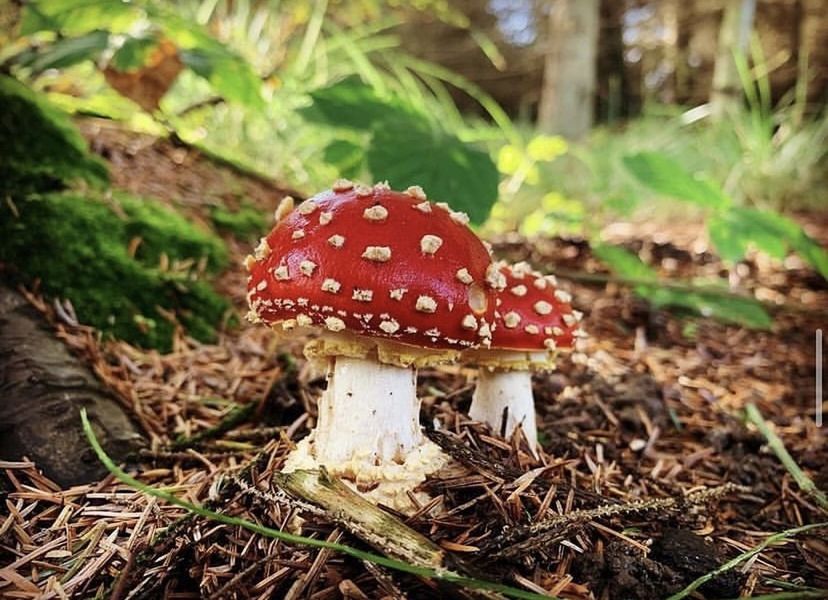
<point>503,399</point>
<point>369,412</point>
<point>368,432</point>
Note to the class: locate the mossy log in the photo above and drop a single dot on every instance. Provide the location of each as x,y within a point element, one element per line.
<point>42,389</point>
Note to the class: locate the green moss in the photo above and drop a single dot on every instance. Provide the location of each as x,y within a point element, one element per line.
<point>247,222</point>
<point>41,149</point>
<point>164,231</point>
<point>78,249</point>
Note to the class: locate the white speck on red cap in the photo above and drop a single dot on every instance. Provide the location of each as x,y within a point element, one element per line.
<point>426,304</point>
<point>298,234</point>
<point>463,276</point>
<point>375,213</point>
<point>429,244</point>
<point>362,295</point>
<point>325,217</point>
<point>377,253</point>
<point>542,307</point>
<point>334,323</point>
<point>307,207</point>
<point>336,241</point>
<point>331,286</point>
<point>415,191</point>
<point>307,267</point>
<point>342,185</point>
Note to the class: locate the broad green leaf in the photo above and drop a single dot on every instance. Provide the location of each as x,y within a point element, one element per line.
<point>415,152</point>
<point>667,177</point>
<point>732,231</point>
<point>812,252</point>
<point>346,156</point>
<point>133,53</point>
<point>352,104</point>
<point>546,147</point>
<point>229,75</point>
<point>728,239</point>
<point>727,308</point>
<point>65,52</point>
<point>75,17</point>
<point>623,262</point>
<point>713,303</point>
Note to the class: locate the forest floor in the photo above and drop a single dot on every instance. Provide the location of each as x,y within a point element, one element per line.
<point>648,464</point>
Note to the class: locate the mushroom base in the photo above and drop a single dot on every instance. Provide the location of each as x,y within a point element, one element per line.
<point>368,432</point>
<point>503,400</point>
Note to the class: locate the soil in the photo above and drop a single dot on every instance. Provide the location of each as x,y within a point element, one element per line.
<point>649,475</point>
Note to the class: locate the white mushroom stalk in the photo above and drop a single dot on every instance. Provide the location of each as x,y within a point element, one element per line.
<point>368,431</point>
<point>503,400</point>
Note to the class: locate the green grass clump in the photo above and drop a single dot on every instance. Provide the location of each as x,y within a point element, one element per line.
<point>245,223</point>
<point>41,149</point>
<point>78,248</point>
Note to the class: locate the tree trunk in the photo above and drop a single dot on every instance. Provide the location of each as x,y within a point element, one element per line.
<point>734,38</point>
<point>567,96</point>
<point>42,389</point>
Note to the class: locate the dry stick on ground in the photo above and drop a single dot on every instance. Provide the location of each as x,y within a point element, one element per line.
<point>518,541</point>
<point>372,525</point>
<point>775,444</point>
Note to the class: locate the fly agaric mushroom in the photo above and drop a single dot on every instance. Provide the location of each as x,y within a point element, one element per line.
<point>532,322</point>
<point>389,282</point>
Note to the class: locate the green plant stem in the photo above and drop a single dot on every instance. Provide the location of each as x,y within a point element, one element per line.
<point>775,443</point>
<point>440,574</point>
<point>771,539</point>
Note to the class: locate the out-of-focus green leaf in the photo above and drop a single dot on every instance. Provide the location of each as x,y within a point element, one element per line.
<point>713,303</point>
<point>623,262</point>
<point>229,75</point>
<point>812,252</point>
<point>346,156</point>
<point>734,230</point>
<point>546,147</point>
<point>509,159</point>
<point>352,104</point>
<point>416,152</point>
<point>133,53</point>
<point>667,177</point>
<point>65,52</point>
<point>75,17</point>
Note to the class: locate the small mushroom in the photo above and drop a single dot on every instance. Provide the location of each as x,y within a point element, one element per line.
<point>376,281</point>
<point>534,321</point>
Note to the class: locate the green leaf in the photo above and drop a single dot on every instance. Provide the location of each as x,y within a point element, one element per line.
<point>352,104</point>
<point>415,152</point>
<point>623,262</point>
<point>133,53</point>
<point>812,252</point>
<point>75,17</point>
<point>65,52</point>
<point>714,303</point>
<point>746,312</point>
<point>229,75</point>
<point>346,156</point>
<point>667,177</point>
<point>729,240</point>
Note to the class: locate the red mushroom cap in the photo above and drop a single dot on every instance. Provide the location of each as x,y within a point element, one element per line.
<point>532,314</point>
<point>379,263</point>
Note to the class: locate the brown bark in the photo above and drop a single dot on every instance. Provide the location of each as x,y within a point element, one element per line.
<point>42,389</point>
